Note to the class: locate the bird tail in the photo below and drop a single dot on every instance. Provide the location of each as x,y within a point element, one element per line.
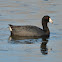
<point>10,27</point>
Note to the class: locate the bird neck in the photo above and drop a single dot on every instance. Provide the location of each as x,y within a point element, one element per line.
<point>45,28</point>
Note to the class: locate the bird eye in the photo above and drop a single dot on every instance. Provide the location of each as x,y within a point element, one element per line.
<point>46,17</point>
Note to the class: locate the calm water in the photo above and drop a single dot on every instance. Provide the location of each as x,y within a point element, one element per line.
<point>30,12</point>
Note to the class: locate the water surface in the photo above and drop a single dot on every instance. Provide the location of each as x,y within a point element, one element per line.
<point>30,12</point>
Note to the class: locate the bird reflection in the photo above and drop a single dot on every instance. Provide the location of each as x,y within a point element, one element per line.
<point>43,47</point>
<point>29,40</point>
<point>22,40</point>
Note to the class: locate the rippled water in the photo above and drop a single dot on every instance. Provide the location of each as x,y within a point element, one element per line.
<point>30,12</point>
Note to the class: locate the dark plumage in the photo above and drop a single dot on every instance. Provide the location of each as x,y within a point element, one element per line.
<point>29,30</point>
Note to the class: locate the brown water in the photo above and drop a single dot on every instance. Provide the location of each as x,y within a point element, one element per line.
<point>30,12</point>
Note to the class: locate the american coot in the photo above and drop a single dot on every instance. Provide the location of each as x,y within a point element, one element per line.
<point>29,30</point>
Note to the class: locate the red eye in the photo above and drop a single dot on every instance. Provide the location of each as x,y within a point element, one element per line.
<point>46,17</point>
